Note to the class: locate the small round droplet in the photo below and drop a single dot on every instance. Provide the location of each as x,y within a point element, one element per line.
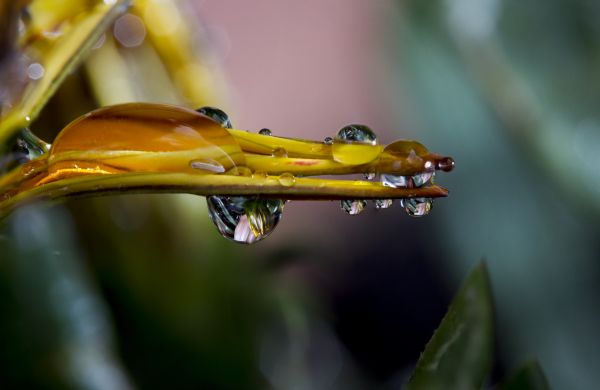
<point>395,181</point>
<point>242,219</point>
<point>207,164</point>
<point>422,178</point>
<point>383,203</point>
<point>446,164</point>
<point>353,206</point>
<point>265,132</point>
<point>280,152</point>
<point>216,115</point>
<point>370,175</point>
<point>287,179</point>
<point>417,207</point>
<point>357,133</point>
<point>328,141</point>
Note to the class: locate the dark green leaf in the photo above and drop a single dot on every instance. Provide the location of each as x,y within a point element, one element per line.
<point>459,354</point>
<point>528,377</point>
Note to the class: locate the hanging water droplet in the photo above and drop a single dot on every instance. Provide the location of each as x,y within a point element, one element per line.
<point>20,149</point>
<point>287,179</point>
<point>328,141</point>
<point>280,152</point>
<point>353,206</point>
<point>265,132</point>
<point>383,203</point>
<point>423,178</point>
<point>216,115</point>
<point>417,207</point>
<point>357,133</point>
<point>207,164</point>
<point>370,175</point>
<point>395,181</point>
<point>242,219</point>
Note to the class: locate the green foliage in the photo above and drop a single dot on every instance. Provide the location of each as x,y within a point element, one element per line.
<point>530,376</point>
<point>459,354</point>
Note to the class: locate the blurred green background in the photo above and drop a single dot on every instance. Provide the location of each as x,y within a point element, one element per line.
<point>141,291</point>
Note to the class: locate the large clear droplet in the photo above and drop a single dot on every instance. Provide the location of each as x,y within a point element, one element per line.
<point>353,206</point>
<point>216,115</point>
<point>422,178</point>
<point>395,181</point>
<point>417,207</point>
<point>357,133</point>
<point>244,219</point>
<point>20,149</point>
<point>265,132</point>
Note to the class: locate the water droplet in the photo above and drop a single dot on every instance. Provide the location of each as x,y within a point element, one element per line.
<point>280,152</point>
<point>216,115</point>
<point>395,181</point>
<point>328,141</point>
<point>417,207</point>
<point>20,149</point>
<point>35,71</point>
<point>357,133</point>
<point>353,206</point>
<point>422,178</point>
<point>207,165</point>
<point>370,175</point>
<point>446,164</point>
<point>265,132</point>
<point>244,220</point>
<point>287,179</point>
<point>383,203</point>
<point>240,171</point>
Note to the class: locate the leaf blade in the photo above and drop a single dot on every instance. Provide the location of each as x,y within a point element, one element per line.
<point>459,354</point>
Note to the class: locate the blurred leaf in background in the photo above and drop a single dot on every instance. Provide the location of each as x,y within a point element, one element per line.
<point>510,88</point>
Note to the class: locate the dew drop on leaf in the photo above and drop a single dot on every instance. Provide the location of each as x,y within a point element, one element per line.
<point>357,133</point>
<point>244,219</point>
<point>417,207</point>
<point>353,206</point>
<point>216,115</point>
<point>383,203</point>
<point>421,179</point>
<point>395,181</point>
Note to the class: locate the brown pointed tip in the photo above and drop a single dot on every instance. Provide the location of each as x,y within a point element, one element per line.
<point>445,164</point>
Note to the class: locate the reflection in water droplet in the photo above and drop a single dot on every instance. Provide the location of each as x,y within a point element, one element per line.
<point>417,207</point>
<point>395,181</point>
<point>216,115</point>
<point>353,206</point>
<point>207,165</point>
<point>328,141</point>
<point>242,219</point>
<point>383,203</point>
<point>422,178</point>
<point>20,149</point>
<point>265,132</point>
<point>287,179</point>
<point>370,175</point>
<point>280,152</point>
<point>357,133</point>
